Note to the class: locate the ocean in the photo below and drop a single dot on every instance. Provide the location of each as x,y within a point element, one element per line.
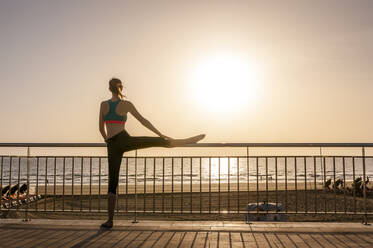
<point>92,170</point>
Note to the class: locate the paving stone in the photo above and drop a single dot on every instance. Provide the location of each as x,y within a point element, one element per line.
<point>127,239</point>
<point>140,239</point>
<point>176,239</point>
<point>71,240</point>
<point>188,239</point>
<point>200,239</point>
<point>310,240</point>
<point>212,239</point>
<point>273,240</point>
<point>152,239</point>
<point>163,239</point>
<point>285,240</point>
<point>224,238</point>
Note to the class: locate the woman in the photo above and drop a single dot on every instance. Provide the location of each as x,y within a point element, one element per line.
<point>113,113</point>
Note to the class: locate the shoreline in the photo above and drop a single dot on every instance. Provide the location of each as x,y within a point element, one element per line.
<point>177,188</point>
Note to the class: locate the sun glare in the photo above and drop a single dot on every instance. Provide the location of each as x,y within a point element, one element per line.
<point>224,83</point>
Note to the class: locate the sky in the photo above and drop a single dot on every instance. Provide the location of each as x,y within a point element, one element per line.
<point>238,71</point>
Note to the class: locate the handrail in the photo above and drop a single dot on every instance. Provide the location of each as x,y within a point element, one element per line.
<point>218,180</point>
<point>197,145</point>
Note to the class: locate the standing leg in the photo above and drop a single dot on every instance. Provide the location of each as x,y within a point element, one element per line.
<point>114,161</point>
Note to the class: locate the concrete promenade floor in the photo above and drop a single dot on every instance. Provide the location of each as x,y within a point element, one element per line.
<point>86,233</point>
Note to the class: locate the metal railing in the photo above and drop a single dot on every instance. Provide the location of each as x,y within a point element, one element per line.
<point>310,184</point>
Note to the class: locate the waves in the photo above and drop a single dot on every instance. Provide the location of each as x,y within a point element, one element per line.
<point>78,170</point>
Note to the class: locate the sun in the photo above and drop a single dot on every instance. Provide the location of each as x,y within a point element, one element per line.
<point>224,83</point>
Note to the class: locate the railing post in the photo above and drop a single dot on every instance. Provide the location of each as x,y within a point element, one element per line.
<point>248,186</point>
<point>1,180</point>
<point>28,185</point>
<point>135,220</point>
<point>365,220</point>
<point>323,171</point>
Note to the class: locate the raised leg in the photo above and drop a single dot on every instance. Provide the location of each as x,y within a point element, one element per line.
<point>140,142</point>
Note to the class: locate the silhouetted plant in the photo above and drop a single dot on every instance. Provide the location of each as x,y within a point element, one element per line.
<point>338,185</point>
<point>327,184</point>
<point>357,186</point>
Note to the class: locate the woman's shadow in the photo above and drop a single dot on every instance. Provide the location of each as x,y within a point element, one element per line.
<point>100,231</point>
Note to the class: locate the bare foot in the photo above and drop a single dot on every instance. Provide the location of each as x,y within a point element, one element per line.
<point>191,140</point>
<point>195,139</point>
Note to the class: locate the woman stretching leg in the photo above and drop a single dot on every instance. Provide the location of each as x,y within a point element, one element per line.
<point>113,113</point>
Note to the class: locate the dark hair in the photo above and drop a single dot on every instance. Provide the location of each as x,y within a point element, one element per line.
<point>113,86</point>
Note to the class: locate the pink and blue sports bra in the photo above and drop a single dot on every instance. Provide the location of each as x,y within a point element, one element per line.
<point>112,116</point>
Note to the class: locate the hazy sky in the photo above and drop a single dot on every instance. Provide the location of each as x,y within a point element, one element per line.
<point>239,71</point>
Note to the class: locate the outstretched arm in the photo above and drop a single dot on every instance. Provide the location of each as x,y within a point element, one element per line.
<point>142,120</point>
<point>101,123</point>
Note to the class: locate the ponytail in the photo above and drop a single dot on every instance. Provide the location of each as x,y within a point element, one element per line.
<point>119,93</point>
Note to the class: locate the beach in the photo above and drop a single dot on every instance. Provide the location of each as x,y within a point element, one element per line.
<point>205,205</point>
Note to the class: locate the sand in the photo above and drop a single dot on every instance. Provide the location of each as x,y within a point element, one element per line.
<point>330,205</point>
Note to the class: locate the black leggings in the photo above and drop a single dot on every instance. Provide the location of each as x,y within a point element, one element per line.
<point>123,142</point>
